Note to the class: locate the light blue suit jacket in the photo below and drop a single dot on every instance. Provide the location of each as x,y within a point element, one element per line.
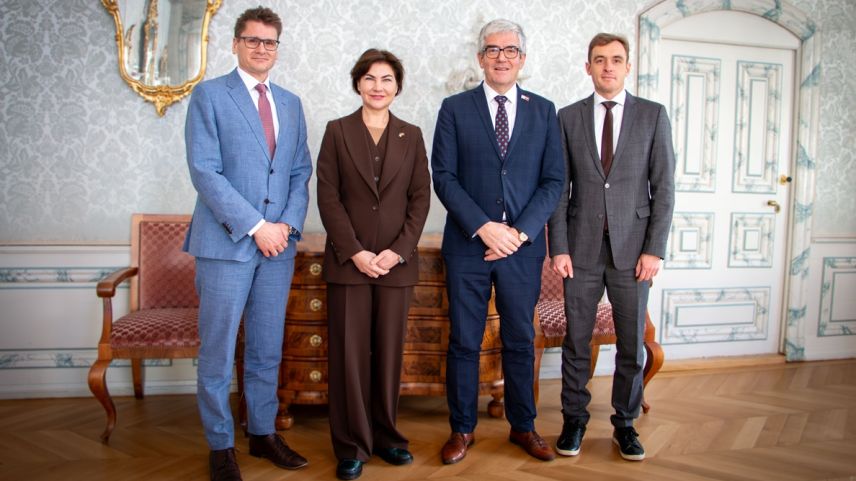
<point>230,167</point>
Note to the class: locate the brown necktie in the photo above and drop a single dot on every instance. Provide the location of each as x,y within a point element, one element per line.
<point>606,138</point>
<point>267,118</point>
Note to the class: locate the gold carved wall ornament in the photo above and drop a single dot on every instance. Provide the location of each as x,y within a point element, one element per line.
<point>162,45</point>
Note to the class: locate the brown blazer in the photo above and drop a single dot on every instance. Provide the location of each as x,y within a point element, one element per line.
<point>358,213</point>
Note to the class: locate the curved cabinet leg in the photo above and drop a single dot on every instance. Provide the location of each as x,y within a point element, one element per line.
<point>496,408</point>
<point>137,374</point>
<point>98,386</point>
<point>284,419</point>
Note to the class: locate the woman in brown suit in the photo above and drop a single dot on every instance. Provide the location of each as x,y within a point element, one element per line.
<point>373,196</point>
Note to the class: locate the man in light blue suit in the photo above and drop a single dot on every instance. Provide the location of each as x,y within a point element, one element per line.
<point>250,164</point>
<point>498,170</point>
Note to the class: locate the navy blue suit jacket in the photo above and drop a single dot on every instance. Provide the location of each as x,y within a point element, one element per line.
<point>476,184</point>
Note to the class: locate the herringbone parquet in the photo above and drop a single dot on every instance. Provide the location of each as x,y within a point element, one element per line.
<point>781,422</point>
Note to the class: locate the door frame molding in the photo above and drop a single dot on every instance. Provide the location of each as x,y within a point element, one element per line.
<point>806,109</point>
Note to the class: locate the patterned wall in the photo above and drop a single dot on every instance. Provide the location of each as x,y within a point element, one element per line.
<point>79,151</point>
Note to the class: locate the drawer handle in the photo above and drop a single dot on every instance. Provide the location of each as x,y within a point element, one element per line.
<point>315,340</point>
<point>315,269</point>
<point>315,305</point>
<point>315,376</point>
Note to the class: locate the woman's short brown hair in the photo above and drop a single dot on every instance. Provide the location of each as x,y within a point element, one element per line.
<point>371,57</point>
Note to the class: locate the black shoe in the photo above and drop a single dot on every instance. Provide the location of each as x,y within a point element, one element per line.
<point>628,443</point>
<point>349,469</point>
<point>395,456</point>
<point>274,448</point>
<point>571,438</point>
<point>223,465</point>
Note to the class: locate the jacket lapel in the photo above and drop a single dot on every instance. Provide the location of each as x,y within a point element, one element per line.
<point>520,121</point>
<point>286,139</point>
<point>480,100</point>
<point>627,119</point>
<point>587,113</point>
<point>238,92</point>
<point>355,141</point>
<point>396,148</point>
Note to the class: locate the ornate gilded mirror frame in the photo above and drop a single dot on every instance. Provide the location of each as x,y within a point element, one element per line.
<point>157,90</point>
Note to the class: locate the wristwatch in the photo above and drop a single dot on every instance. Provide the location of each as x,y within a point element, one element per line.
<point>521,236</point>
<point>400,260</point>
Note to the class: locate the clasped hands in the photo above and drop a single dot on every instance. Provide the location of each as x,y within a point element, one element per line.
<point>500,239</point>
<point>375,265</point>
<point>272,238</point>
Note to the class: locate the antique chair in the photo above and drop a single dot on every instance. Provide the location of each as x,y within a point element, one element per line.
<point>162,322</point>
<point>551,325</point>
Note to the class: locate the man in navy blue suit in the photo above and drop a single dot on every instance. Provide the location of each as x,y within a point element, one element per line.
<point>498,170</point>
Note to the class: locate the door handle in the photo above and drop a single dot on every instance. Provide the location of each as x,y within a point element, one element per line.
<point>775,205</point>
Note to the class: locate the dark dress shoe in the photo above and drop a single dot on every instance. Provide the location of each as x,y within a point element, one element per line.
<point>349,469</point>
<point>395,456</point>
<point>456,447</point>
<point>272,447</point>
<point>223,465</point>
<point>628,443</point>
<point>533,444</point>
<point>571,438</point>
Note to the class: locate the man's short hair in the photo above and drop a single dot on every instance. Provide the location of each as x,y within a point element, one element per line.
<point>602,39</point>
<point>501,25</point>
<point>371,57</point>
<point>258,14</point>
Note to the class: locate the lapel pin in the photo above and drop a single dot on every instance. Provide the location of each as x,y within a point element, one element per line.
<point>401,135</point>
<point>525,97</point>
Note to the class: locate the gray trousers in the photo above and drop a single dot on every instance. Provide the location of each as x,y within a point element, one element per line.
<point>629,300</point>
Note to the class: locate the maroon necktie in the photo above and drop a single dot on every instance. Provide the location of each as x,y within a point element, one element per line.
<point>267,118</point>
<point>501,126</point>
<point>606,138</point>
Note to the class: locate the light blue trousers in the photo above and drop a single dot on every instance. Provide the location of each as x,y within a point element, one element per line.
<point>258,291</point>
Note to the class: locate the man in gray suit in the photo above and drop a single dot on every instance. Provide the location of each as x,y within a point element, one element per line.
<point>610,230</point>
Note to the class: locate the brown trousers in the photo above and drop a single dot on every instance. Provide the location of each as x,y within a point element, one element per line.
<point>366,338</point>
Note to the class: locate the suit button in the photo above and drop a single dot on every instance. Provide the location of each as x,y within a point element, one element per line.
<point>499,201</point>
<point>374,207</point>
<point>377,159</point>
<point>271,171</point>
<point>267,201</point>
<point>377,179</point>
<point>504,172</point>
<point>600,216</point>
<point>606,186</point>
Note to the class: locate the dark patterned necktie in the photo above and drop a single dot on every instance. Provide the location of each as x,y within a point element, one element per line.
<point>501,126</point>
<point>606,138</point>
<point>267,118</point>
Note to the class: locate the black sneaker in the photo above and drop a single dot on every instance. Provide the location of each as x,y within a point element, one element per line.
<point>571,438</point>
<point>628,443</point>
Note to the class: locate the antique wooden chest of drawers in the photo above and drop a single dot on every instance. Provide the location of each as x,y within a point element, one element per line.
<point>303,373</point>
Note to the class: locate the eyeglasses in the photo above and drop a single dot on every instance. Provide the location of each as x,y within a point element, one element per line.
<point>253,43</point>
<point>492,51</point>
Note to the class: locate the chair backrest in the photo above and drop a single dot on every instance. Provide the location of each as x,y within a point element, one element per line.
<point>166,273</point>
<point>552,287</point>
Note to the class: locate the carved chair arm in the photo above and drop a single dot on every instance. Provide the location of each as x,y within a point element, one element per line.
<point>106,289</point>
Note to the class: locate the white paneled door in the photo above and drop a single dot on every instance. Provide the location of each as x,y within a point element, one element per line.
<point>731,107</point>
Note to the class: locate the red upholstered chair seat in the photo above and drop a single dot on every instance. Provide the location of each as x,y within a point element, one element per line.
<point>157,328</point>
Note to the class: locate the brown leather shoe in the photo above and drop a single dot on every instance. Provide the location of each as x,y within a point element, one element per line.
<point>533,444</point>
<point>456,447</point>
<point>274,448</point>
<point>223,465</point>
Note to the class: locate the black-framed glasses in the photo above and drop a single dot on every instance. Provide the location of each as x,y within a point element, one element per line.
<point>492,51</point>
<point>253,42</point>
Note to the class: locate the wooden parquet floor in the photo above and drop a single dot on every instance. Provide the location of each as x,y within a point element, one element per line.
<point>782,422</point>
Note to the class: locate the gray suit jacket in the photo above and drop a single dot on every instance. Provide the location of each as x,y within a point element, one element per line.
<point>637,197</point>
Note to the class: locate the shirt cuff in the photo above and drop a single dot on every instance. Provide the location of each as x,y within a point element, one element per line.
<point>256,228</point>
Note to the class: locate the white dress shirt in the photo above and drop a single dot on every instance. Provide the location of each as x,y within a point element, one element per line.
<point>617,115</point>
<point>510,105</point>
